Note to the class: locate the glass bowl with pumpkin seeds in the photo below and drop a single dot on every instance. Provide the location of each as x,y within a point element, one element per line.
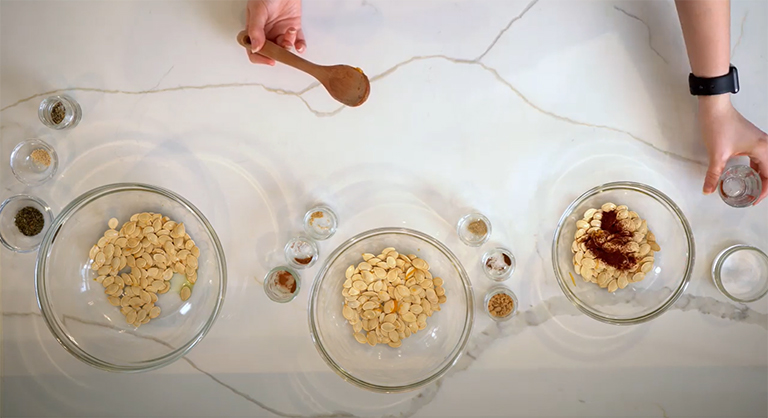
<point>665,275</point>
<point>118,282</point>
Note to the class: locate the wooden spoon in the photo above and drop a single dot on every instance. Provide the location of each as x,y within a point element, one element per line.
<point>346,84</point>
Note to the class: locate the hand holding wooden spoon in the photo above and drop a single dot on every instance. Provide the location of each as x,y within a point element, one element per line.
<point>346,84</point>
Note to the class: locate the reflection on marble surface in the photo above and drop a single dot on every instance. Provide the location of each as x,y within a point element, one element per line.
<point>510,108</point>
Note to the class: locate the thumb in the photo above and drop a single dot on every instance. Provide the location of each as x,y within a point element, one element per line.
<point>716,167</point>
<point>257,19</point>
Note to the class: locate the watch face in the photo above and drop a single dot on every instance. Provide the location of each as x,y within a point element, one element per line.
<point>735,78</point>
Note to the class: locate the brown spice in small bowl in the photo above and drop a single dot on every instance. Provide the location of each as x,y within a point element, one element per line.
<point>478,227</point>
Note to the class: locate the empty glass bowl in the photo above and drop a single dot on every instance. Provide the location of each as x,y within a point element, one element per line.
<point>75,307</point>
<point>34,162</point>
<point>423,357</point>
<point>740,272</point>
<point>10,235</point>
<point>662,286</point>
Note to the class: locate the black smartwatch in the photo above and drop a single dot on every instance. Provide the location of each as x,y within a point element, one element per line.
<point>728,83</point>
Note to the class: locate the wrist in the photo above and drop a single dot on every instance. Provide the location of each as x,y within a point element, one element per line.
<point>714,104</point>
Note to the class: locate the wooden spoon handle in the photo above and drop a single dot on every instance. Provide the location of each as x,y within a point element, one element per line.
<point>272,50</point>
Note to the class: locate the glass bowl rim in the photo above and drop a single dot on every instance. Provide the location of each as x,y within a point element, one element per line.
<point>48,214</point>
<point>468,320</point>
<point>48,148</point>
<point>43,302</point>
<point>660,198</point>
<point>717,264</point>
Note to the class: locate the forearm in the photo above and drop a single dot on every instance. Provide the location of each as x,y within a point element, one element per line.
<point>707,31</point>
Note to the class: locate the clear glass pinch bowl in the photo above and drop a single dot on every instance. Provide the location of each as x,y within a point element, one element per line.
<point>75,307</point>
<point>423,357</point>
<point>662,286</point>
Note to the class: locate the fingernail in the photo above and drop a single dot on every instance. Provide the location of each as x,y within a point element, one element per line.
<point>287,45</point>
<point>291,30</point>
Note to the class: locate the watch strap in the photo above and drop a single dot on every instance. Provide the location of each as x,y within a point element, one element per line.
<point>728,83</point>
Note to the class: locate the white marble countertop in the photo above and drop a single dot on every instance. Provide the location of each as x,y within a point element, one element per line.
<point>513,108</point>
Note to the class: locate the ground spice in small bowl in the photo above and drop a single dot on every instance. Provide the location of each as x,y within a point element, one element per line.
<point>501,305</point>
<point>57,113</point>
<point>29,221</point>
<point>303,261</point>
<point>41,157</point>
<point>285,281</point>
<point>478,227</point>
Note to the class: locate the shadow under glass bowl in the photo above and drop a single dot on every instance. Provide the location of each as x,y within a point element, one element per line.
<point>424,356</point>
<point>75,307</point>
<point>662,286</point>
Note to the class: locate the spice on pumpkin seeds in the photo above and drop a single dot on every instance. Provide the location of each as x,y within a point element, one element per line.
<point>41,157</point>
<point>501,305</point>
<point>57,113</point>
<point>29,220</point>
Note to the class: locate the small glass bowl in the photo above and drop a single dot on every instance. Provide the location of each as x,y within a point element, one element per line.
<point>301,252</point>
<point>10,235</point>
<point>493,291</point>
<point>320,223</point>
<point>740,272</point>
<point>468,237</point>
<point>71,117</point>
<point>275,291</point>
<point>25,167</point>
<point>502,271</point>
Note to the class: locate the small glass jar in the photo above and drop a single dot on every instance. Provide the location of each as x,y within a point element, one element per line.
<point>282,284</point>
<point>301,252</point>
<point>740,272</point>
<point>320,223</point>
<point>60,112</point>
<point>10,235</point>
<point>498,264</point>
<point>474,229</point>
<point>34,162</point>
<point>500,290</point>
<point>740,186</point>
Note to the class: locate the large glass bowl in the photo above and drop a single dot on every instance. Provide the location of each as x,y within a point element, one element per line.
<point>75,307</point>
<point>662,286</point>
<point>423,357</point>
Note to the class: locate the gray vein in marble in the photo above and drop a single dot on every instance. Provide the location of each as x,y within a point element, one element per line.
<point>506,28</point>
<point>556,306</point>
<point>527,101</point>
<point>650,36</point>
<point>180,88</point>
<point>394,68</point>
<point>211,376</point>
<point>741,34</point>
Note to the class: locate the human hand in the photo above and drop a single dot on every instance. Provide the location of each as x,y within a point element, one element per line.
<point>276,20</point>
<point>727,134</point>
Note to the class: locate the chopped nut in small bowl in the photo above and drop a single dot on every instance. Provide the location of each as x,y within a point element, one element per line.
<point>500,303</point>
